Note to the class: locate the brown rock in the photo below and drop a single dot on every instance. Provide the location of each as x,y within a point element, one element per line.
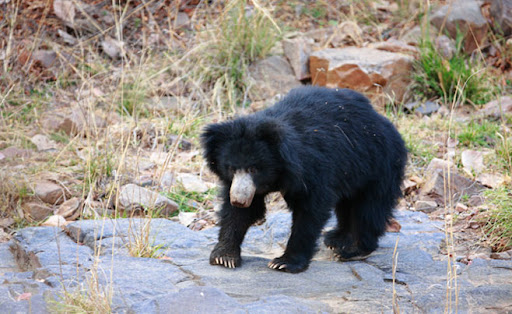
<point>50,192</point>
<point>70,209</point>
<point>37,211</point>
<point>297,50</point>
<point>362,69</point>
<point>270,77</point>
<point>463,16</point>
<point>459,207</point>
<point>438,182</point>
<point>393,226</point>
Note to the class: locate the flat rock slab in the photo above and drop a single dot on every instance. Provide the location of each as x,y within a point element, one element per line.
<point>41,261</point>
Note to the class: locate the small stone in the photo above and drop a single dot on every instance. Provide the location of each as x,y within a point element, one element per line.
<point>445,46</point>
<point>497,108</point>
<point>187,218</point>
<point>439,164</point>
<point>393,45</point>
<point>134,197</point>
<point>425,108</point>
<point>425,206</point>
<point>168,179</point>
<point>441,186</point>
<point>50,192</point>
<point>492,180</point>
<point>409,186</point>
<point>476,200</point>
<point>6,222</point>
<point>393,226</point>
<point>181,20</point>
<point>459,207</point>
<point>113,48</point>
<point>55,221</point>
<point>37,211</point>
<point>43,143</point>
<point>191,183</point>
<point>15,152</point>
<point>70,209</point>
<point>46,58</point>
<point>473,161</point>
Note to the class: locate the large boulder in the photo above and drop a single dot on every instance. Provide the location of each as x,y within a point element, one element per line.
<point>363,69</point>
<point>466,17</point>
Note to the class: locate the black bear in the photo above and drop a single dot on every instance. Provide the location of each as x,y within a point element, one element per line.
<point>322,149</point>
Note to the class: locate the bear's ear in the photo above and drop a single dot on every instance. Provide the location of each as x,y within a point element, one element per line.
<point>212,138</point>
<point>276,134</point>
<point>270,131</point>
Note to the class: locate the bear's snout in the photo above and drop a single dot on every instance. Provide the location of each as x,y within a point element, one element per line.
<point>242,189</point>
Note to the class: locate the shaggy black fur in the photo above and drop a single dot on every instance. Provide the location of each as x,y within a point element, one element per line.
<point>322,149</point>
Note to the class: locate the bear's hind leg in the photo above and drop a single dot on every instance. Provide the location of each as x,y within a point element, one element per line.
<point>369,213</point>
<point>234,223</point>
<point>342,237</point>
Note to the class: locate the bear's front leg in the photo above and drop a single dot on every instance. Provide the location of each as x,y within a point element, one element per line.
<point>302,243</point>
<point>234,223</point>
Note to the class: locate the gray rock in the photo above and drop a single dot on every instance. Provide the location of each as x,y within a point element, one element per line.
<point>501,13</point>
<point>442,185</point>
<point>192,300</point>
<point>445,46</point>
<point>425,206</point>
<point>134,197</point>
<point>43,143</point>
<point>270,77</point>
<point>191,183</point>
<point>182,280</point>
<point>297,50</point>
<point>463,16</point>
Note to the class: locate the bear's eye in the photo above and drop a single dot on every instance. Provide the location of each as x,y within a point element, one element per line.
<point>252,170</point>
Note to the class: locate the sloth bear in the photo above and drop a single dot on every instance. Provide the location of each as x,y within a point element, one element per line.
<point>322,149</point>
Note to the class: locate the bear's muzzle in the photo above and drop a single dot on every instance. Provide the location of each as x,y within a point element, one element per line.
<point>242,189</point>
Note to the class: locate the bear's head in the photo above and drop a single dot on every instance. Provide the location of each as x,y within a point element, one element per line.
<point>251,155</point>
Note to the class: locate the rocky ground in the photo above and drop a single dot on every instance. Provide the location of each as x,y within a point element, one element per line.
<point>40,262</point>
